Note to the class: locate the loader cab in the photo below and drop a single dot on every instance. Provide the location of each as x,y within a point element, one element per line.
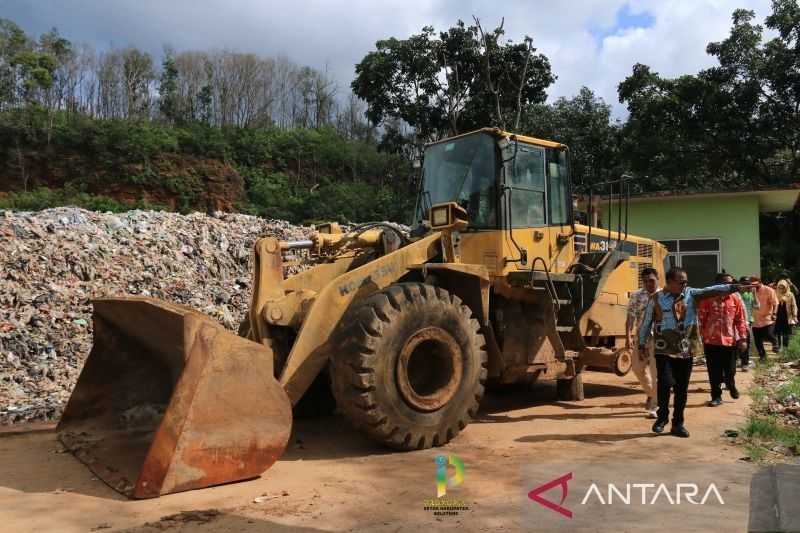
<point>503,181</point>
<point>463,170</point>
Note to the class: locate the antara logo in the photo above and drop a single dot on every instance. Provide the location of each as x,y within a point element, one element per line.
<point>626,494</point>
<point>535,494</point>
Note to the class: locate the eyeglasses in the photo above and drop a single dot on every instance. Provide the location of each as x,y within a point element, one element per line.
<point>680,281</point>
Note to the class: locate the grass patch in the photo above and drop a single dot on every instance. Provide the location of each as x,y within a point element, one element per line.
<point>759,395</point>
<point>758,371</point>
<point>793,387</point>
<point>769,428</point>
<point>792,350</point>
<point>756,452</point>
<point>43,198</point>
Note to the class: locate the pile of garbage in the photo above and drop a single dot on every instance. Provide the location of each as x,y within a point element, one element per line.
<point>782,378</point>
<point>52,262</point>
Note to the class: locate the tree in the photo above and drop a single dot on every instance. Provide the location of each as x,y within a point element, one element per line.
<point>512,77</point>
<point>734,124</point>
<point>583,123</point>
<point>459,80</point>
<point>169,97</point>
<point>13,41</point>
<point>138,77</point>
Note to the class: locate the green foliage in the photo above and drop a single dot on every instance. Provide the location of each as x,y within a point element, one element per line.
<point>202,139</point>
<point>756,453</point>
<point>759,396</point>
<point>583,123</point>
<point>121,141</point>
<point>187,190</point>
<point>461,79</point>
<point>272,196</point>
<point>792,351</point>
<point>735,124</point>
<point>169,98</point>
<point>792,387</point>
<point>769,427</point>
<point>280,168</point>
<point>356,201</point>
<point>43,198</point>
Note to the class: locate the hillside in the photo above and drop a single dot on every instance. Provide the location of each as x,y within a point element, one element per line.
<point>121,164</point>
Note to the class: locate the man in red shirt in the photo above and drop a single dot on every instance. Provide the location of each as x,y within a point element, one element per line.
<point>723,327</point>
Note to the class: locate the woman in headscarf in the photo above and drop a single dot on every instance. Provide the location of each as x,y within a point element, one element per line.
<point>786,317</point>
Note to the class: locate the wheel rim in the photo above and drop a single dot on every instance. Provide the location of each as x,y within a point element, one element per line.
<point>429,369</point>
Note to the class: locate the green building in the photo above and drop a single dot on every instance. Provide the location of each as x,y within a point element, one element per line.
<point>706,232</point>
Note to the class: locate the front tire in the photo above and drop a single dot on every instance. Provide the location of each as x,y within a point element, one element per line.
<point>411,366</point>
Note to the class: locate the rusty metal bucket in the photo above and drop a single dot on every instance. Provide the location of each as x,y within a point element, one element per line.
<point>168,401</point>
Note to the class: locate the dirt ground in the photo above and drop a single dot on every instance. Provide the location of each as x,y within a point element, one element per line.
<point>332,478</point>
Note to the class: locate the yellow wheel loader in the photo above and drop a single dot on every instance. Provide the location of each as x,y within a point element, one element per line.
<point>496,284</point>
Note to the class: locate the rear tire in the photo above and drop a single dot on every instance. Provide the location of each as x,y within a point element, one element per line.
<point>411,367</point>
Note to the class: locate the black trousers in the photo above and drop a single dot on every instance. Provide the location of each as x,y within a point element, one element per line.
<point>784,336</point>
<point>744,355</point>
<point>721,365</point>
<point>760,335</point>
<point>673,375</point>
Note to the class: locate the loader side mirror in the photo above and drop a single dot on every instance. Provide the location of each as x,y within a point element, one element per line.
<point>412,184</point>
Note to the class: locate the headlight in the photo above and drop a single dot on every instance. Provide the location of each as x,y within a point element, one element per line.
<point>440,216</point>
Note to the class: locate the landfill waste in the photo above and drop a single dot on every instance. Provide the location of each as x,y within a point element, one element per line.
<point>53,262</point>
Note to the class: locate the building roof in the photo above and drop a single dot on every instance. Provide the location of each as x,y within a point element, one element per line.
<point>773,199</point>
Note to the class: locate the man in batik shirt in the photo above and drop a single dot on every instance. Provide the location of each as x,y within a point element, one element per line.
<point>672,317</point>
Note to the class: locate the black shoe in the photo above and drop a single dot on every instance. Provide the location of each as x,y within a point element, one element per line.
<point>658,426</point>
<point>734,393</point>
<point>679,431</point>
<point>715,403</point>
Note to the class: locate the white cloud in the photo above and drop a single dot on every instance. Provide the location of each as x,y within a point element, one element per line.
<point>341,33</point>
<point>674,45</point>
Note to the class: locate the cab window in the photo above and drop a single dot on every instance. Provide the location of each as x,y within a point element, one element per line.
<point>557,189</point>
<point>525,174</point>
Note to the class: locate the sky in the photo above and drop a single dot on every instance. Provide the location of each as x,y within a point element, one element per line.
<point>589,42</point>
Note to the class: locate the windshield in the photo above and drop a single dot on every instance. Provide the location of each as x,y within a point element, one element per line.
<point>461,170</point>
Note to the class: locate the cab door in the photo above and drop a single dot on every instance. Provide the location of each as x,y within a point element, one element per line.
<point>537,206</point>
<point>524,204</point>
<point>561,249</point>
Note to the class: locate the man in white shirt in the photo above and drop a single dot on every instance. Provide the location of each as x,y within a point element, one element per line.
<point>643,368</point>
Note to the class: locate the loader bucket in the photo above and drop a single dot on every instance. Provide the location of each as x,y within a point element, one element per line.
<point>168,401</point>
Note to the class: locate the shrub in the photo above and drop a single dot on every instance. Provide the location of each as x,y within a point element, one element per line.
<point>43,198</point>
<point>792,352</point>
